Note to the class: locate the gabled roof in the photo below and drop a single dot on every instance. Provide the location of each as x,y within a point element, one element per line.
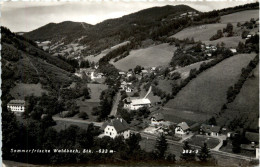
<point>210,128</point>
<point>140,101</point>
<point>215,129</point>
<point>183,125</point>
<point>16,103</point>
<point>119,124</point>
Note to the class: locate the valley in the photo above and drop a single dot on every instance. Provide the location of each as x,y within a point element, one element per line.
<point>168,74</point>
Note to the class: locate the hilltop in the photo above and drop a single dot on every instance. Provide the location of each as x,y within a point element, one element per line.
<point>136,26</point>
<point>57,31</point>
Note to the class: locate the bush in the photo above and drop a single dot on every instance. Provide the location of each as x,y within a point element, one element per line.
<point>83,115</point>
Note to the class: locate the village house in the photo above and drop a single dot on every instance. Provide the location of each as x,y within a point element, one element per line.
<point>116,127</point>
<point>129,88</point>
<point>16,106</point>
<point>157,119</point>
<point>135,104</point>
<point>121,73</point>
<point>182,129</point>
<point>233,50</point>
<point>210,130</point>
<point>129,74</point>
<point>144,72</point>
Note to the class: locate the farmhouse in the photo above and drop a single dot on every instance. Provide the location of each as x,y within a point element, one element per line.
<point>129,88</point>
<point>157,119</point>
<point>135,104</point>
<point>233,50</point>
<point>210,130</point>
<point>121,73</point>
<point>144,72</point>
<point>16,106</point>
<point>182,129</point>
<point>116,127</point>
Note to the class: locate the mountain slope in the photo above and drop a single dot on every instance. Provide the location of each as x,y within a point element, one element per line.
<point>110,32</point>
<point>207,92</point>
<point>24,62</point>
<point>53,31</point>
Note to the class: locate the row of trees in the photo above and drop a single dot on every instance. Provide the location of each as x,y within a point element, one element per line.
<point>220,53</point>
<point>245,72</point>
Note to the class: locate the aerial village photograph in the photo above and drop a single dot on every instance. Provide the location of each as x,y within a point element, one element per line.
<point>130,83</point>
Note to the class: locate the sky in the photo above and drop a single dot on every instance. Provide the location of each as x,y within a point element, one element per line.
<point>26,16</point>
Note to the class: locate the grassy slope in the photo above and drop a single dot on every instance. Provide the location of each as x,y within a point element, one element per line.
<point>246,104</point>
<point>96,58</point>
<point>157,55</point>
<point>209,30</point>
<point>201,33</point>
<point>88,104</point>
<point>206,94</point>
<point>96,90</point>
<point>22,90</point>
<point>185,71</point>
<point>242,16</point>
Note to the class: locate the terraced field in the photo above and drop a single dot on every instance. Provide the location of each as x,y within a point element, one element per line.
<point>157,55</point>
<point>206,94</point>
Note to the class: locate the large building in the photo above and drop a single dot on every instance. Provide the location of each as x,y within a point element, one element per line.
<point>116,127</point>
<point>16,106</point>
<point>135,104</point>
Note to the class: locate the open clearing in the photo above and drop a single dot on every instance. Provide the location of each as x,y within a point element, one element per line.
<point>62,125</point>
<point>230,42</point>
<point>204,32</point>
<point>242,16</point>
<point>157,55</point>
<point>207,93</point>
<point>200,140</point>
<point>21,90</point>
<point>96,90</point>
<point>185,71</point>
<point>85,106</point>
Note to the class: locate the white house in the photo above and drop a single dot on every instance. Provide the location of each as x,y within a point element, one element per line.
<point>135,104</point>
<point>182,129</point>
<point>233,50</point>
<point>121,73</point>
<point>128,88</point>
<point>16,106</point>
<point>210,130</point>
<point>116,127</point>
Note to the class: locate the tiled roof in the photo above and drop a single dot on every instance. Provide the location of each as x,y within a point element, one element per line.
<point>16,102</point>
<point>119,124</point>
<point>210,128</point>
